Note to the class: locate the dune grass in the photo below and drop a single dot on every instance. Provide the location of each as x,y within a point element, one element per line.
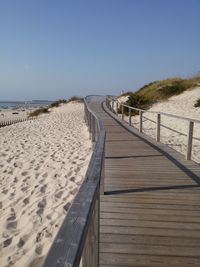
<point>75,99</point>
<point>160,90</point>
<point>38,112</point>
<point>197,103</point>
<point>57,103</point>
<point>45,110</point>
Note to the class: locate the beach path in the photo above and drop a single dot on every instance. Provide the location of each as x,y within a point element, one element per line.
<point>150,212</point>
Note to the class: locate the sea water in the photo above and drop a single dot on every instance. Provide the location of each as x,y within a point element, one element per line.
<point>21,104</point>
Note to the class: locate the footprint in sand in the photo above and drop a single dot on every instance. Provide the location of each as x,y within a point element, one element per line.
<point>4,191</point>
<point>7,242</point>
<point>41,205</point>
<point>24,188</point>
<point>11,225</point>
<point>43,188</point>
<point>37,175</point>
<point>37,168</point>
<point>24,173</point>
<point>45,175</point>
<point>22,241</point>
<point>26,200</point>
<point>66,206</point>
<point>59,194</point>
<point>39,249</point>
<point>15,180</point>
<point>72,179</point>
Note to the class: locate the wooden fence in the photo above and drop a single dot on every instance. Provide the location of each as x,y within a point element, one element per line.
<point>77,242</point>
<point>111,102</point>
<point>10,122</point>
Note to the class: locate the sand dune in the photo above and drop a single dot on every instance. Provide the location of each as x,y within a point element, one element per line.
<point>42,164</point>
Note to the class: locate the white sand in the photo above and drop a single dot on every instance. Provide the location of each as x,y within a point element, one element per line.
<point>122,99</point>
<point>182,105</point>
<point>42,164</point>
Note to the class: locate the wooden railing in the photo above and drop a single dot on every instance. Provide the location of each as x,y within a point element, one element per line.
<point>114,105</point>
<point>10,122</point>
<point>77,242</point>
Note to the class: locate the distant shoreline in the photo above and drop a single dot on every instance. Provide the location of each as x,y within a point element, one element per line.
<point>16,104</point>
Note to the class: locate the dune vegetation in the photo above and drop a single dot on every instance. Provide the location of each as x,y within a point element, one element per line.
<point>44,110</point>
<point>197,103</point>
<point>160,90</point>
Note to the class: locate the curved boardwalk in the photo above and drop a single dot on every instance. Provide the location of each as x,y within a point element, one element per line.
<point>150,213</point>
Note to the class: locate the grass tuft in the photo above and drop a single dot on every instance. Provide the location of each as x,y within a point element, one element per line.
<point>38,112</point>
<point>197,103</point>
<point>75,99</point>
<point>57,103</point>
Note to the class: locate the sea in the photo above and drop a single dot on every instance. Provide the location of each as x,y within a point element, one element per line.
<point>23,104</point>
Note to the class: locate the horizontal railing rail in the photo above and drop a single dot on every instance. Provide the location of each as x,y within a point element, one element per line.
<point>77,242</point>
<point>110,102</point>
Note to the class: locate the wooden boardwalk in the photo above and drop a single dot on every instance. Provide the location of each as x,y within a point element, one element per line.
<point>150,213</point>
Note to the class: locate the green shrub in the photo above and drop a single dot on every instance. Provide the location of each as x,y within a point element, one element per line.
<point>38,112</point>
<point>57,103</point>
<point>136,101</point>
<point>197,103</point>
<point>176,88</point>
<point>75,99</point>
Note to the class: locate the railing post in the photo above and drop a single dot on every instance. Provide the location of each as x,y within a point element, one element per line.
<point>93,128</point>
<point>90,123</point>
<point>129,116</point>
<point>158,128</point>
<point>117,108</point>
<point>141,113</point>
<point>85,110</point>
<point>189,140</point>
<point>122,112</point>
<point>112,106</point>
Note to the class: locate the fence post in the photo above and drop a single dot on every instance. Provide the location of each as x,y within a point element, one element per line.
<point>122,112</point>
<point>189,140</point>
<point>141,113</point>
<point>129,116</point>
<point>158,128</point>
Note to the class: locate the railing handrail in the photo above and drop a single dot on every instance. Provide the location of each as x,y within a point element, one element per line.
<point>157,112</point>
<point>68,245</point>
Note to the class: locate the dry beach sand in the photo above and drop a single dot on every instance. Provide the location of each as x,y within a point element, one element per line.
<point>12,115</point>
<point>176,136</point>
<point>42,164</point>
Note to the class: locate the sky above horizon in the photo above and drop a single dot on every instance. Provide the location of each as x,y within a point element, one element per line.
<point>53,49</point>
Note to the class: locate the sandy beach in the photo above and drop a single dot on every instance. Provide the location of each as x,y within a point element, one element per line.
<point>176,136</point>
<point>42,164</point>
<point>12,115</point>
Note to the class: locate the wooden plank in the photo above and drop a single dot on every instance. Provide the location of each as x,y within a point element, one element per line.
<point>142,260</point>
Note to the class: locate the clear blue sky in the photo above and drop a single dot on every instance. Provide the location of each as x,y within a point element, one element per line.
<point>51,49</point>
